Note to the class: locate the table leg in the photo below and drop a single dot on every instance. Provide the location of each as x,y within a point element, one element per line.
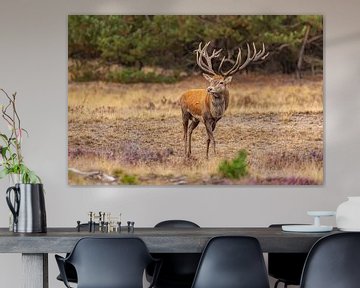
<point>35,270</point>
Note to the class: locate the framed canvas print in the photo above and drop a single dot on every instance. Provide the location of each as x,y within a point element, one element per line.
<point>195,100</point>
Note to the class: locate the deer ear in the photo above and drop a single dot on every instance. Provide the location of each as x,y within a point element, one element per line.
<point>228,80</point>
<point>207,77</point>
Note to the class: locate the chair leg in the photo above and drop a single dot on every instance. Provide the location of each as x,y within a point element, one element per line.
<point>278,282</point>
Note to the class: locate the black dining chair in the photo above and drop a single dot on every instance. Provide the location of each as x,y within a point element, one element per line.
<point>178,269</point>
<point>333,262</point>
<point>232,262</point>
<point>286,267</point>
<point>108,263</point>
<point>70,271</point>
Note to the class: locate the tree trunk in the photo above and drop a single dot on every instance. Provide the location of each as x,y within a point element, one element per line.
<point>301,52</point>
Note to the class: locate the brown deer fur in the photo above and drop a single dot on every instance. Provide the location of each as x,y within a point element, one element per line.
<point>209,105</point>
<point>204,105</point>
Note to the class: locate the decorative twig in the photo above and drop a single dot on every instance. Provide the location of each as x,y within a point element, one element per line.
<point>12,159</point>
<point>15,127</point>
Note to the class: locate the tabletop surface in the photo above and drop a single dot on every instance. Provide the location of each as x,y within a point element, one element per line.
<point>158,240</point>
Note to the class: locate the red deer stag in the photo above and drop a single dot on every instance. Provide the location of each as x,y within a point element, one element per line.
<point>209,105</point>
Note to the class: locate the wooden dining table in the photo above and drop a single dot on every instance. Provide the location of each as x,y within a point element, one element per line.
<point>35,247</point>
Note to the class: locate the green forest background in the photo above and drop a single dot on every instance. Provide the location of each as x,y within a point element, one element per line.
<point>122,48</point>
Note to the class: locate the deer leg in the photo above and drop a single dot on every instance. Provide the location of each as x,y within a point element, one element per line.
<point>192,126</point>
<point>209,130</point>
<point>213,128</point>
<point>185,117</point>
<point>207,147</point>
<point>186,125</point>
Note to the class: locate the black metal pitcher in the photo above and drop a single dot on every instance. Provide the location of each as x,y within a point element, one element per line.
<point>28,208</point>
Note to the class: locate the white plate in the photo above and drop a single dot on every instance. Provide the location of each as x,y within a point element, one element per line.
<point>321,213</point>
<point>306,228</point>
<point>350,229</point>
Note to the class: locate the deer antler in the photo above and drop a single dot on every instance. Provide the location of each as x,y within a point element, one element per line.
<point>204,60</point>
<point>256,56</point>
<point>202,54</point>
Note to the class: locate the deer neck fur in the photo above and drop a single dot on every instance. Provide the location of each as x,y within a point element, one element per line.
<point>217,103</point>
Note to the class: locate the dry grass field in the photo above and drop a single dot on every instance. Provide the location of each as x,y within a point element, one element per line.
<point>133,132</point>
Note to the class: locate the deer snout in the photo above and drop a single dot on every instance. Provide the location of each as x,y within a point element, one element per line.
<point>210,89</point>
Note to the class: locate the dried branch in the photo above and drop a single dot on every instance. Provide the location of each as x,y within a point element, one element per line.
<point>14,122</point>
<point>12,159</point>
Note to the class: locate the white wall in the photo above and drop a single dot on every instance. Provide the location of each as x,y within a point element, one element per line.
<point>33,62</point>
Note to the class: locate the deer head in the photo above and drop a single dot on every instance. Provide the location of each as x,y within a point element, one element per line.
<point>219,79</point>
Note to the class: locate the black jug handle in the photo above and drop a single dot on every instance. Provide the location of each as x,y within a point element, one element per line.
<point>13,208</point>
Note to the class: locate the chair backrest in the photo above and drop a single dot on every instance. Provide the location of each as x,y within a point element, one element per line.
<point>333,262</point>
<point>176,224</point>
<point>110,262</point>
<point>232,262</point>
<point>178,269</point>
<point>286,267</point>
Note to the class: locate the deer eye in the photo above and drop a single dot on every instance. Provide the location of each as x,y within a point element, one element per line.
<point>221,82</point>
